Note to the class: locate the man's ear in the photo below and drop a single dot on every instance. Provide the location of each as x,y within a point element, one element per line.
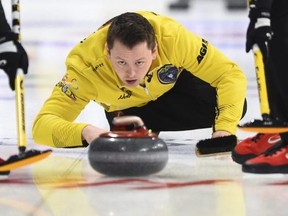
<point>154,51</point>
<point>108,50</point>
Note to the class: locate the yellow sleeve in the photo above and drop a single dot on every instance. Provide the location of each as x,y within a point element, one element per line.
<point>205,61</point>
<point>54,124</point>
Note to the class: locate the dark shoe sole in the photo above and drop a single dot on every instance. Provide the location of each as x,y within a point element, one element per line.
<point>4,173</point>
<point>264,168</point>
<point>241,159</point>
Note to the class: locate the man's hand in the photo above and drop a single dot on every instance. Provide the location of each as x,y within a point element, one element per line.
<point>12,57</point>
<point>89,133</point>
<point>220,134</point>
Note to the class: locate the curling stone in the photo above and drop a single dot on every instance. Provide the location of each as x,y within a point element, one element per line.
<point>135,152</point>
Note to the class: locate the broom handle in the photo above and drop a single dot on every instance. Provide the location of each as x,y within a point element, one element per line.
<point>261,82</point>
<point>19,82</point>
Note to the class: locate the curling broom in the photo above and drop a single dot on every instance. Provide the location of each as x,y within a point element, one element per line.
<point>223,145</point>
<point>265,125</point>
<point>24,157</point>
<point>261,81</point>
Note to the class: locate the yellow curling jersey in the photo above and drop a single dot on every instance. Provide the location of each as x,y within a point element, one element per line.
<point>90,77</point>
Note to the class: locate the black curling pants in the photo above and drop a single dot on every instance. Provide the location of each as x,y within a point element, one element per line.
<point>190,104</point>
<point>277,70</point>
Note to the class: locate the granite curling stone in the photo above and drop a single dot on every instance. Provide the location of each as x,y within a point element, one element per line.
<point>136,152</point>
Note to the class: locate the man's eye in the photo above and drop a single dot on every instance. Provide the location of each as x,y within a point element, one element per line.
<point>121,63</point>
<point>139,63</point>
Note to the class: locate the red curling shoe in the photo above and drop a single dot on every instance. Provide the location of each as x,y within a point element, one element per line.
<point>275,160</point>
<point>253,146</point>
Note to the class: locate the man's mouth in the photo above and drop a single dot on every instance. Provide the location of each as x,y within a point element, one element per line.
<point>131,82</point>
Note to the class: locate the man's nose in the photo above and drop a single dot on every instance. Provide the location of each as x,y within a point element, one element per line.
<point>130,72</point>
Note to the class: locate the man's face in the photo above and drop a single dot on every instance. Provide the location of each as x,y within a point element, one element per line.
<point>131,65</point>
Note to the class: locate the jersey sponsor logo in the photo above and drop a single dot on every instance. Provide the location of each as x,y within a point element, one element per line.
<point>149,76</point>
<point>95,68</point>
<point>167,74</point>
<point>73,83</point>
<point>66,87</point>
<point>127,93</point>
<point>203,51</point>
<point>66,90</point>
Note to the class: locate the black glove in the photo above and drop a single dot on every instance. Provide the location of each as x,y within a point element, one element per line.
<point>259,30</point>
<point>12,57</point>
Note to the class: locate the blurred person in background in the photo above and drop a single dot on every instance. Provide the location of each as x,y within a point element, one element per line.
<point>268,28</point>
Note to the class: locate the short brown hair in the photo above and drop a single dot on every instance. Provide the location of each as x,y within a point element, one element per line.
<point>130,29</point>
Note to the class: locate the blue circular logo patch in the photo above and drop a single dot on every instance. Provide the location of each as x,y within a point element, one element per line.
<point>167,74</point>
